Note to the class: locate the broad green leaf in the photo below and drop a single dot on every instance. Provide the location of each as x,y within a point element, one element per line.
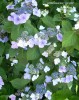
<point>3,73</point>
<point>1,58</point>
<point>57,17</point>
<point>48,21</point>
<point>61,94</point>
<point>4,97</point>
<point>8,26</point>
<point>33,53</point>
<point>39,80</point>
<point>19,83</point>
<point>30,28</point>
<point>16,32</point>
<point>69,39</point>
<point>1,48</point>
<point>66,26</point>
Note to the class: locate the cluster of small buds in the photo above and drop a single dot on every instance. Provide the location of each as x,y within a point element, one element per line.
<point>66,9</point>
<point>31,72</point>
<point>23,13</point>
<point>69,12</point>
<point>40,89</point>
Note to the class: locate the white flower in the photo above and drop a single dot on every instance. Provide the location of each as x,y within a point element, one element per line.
<point>7,56</point>
<point>57,27</point>
<point>41,27</point>
<point>45,54</point>
<point>21,43</point>
<point>76,15</point>
<point>46,69</point>
<point>77,26</point>
<point>48,94</point>
<point>46,5</point>
<point>44,12</point>
<point>34,77</point>
<point>64,54</point>
<point>33,96</point>
<point>58,9</point>
<point>37,12</point>
<point>41,61</point>
<point>56,61</point>
<point>54,44</point>
<point>15,61</point>
<point>22,94</point>
<point>55,81</point>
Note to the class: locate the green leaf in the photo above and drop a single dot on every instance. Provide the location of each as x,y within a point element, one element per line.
<point>16,32</point>
<point>39,80</point>
<point>33,53</point>
<point>57,17</point>
<point>61,94</point>
<point>69,39</point>
<point>66,26</point>
<point>4,97</point>
<point>19,83</point>
<point>8,26</point>
<point>3,73</point>
<point>48,21</point>
<point>1,58</point>
<point>1,48</point>
<point>30,28</point>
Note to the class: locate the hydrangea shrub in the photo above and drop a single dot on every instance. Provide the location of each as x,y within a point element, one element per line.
<point>39,50</point>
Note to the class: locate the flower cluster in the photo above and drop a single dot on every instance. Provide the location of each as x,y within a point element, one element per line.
<point>21,14</point>
<point>69,12</point>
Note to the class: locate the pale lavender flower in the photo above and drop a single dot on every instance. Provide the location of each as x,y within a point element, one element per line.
<point>24,18</point>
<point>12,97</point>
<point>48,94</point>
<point>37,12</point>
<point>28,1</point>
<point>27,89</point>
<point>17,20</point>
<point>69,78</point>
<point>62,69</point>
<point>27,70</point>
<point>10,7</point>
<point>34,3</point>
<point>31,42</point>
<point>27,76</point>
<point>5,39</point>
<point>74,63</point>
<point>14,45</point>
<point>63,80</point>
<point>48,79</point>
<point>1,82</point>
<point>42,43</point>
<point>11,17</point>
<point>59,37</point>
